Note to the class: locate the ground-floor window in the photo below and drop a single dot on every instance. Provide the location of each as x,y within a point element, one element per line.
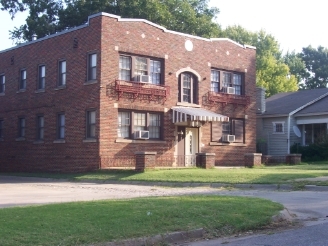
<point>314,133</point>
<point>130,122</point>
<point>230,131</point>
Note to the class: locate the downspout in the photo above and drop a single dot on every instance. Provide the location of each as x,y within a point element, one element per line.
<point>294,112</point>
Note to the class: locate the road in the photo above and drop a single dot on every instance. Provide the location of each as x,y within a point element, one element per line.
<point>310,207</point>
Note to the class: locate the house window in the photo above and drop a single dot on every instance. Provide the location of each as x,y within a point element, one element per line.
<point>21,127</point>
<point>278,127</point>
<point>133,67</point>
<point>221,80</point>
<point>1,128</point>
<point>235,127</point>
<point>142,121</point>
<point>40,127</point>
<point>188,88</point>
<point>123,124</point>
<point>22,81</point>
<point>42,77</point>
<point>92,66</point>
<point>61,126</point>
<point>62,73</point>
<point>91,124</point>
<point>2,83</point>
<point>215,80</point>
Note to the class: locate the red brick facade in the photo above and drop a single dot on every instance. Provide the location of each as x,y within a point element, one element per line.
<point>109,36</point>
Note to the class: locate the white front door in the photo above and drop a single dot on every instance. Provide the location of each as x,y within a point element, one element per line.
<point>191,146</point>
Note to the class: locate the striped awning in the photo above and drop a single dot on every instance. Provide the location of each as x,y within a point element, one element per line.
<point>184,114</point>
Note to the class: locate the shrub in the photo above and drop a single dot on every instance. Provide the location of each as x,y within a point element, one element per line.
<point>312,152</point>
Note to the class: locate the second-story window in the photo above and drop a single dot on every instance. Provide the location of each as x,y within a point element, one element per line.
<point>188,91</point>
<point>2,83</point>
<point>227,82</point>
<point>42,78</point>
<point>141,69</point>
<point>92,67</point>
<point>22,81</point>
<point>62,73</point>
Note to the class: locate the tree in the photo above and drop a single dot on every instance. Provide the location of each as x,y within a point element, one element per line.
<point>50,16</point>
<point>316,63</point>
<point>296,66</point>
<point>271,71</point>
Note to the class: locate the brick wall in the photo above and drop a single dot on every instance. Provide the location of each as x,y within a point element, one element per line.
<point>109,37</point>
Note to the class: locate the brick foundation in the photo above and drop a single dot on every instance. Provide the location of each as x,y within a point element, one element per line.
<point>252,159</point>
<point>205,160</point>
<point>145,159</point>
<point>293,159</point>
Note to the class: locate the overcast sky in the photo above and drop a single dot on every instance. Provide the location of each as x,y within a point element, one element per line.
<point>295,24</point>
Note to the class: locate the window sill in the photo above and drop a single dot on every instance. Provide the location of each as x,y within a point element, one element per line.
<point>59,141</point>
<point>122,140</point>
<point>21,90</point>
<point>40,91</point>
<point>20,139</point>
<point>188,104</point>
<point>61,87</point>
<point>38,142</point>
<point>90,140</point>
<point>91,82</point>
<point>227,144</point>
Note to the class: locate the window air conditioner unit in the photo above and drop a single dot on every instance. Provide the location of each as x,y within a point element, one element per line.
<point>143,78</point>
<point>142,134</point>
<point>229,90</point>
<point>228,138</point>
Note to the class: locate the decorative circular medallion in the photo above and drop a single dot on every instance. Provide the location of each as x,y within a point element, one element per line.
<point>189,45</point>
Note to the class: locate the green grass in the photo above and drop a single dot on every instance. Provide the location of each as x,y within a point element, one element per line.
<point>83,223</point>
<point>257,175</point>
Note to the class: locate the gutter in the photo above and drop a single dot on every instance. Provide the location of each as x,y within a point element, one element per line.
<point>294,112</point>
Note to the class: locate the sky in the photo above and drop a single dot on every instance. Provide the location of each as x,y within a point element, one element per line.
<point>294,24</point>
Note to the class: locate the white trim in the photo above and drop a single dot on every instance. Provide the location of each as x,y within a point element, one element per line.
<point>311,121</point>
<point>188,69</point>
<point>274,125</point>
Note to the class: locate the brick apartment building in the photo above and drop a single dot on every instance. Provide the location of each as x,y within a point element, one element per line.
<point>93,96</point>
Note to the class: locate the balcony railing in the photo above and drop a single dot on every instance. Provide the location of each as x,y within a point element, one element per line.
<point>224,99</point>
<point>136,90</point>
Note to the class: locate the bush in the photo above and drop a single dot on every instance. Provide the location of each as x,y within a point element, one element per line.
<point>312,152</point>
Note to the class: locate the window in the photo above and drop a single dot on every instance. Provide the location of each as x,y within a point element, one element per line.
<point>42,77</point>
<point>62,73</point>
<point>278,127</point>
<point>215,80</point>
<point>221,80</point>
<point>234,127</point>
<point>131,67</point>
<point>40,127</point>
<point>21,127</point>
<point>92,67</point>
<point>2,83</point>
<point>1,128</point>
<point>61,126</point>
<point>188,88</point>
<point>91,124</point>
<point>22,81</point>
<point>141,121</point>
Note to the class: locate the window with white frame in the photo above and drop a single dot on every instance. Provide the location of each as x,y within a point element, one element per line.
<point>92,66</point>
<point>2,83</point>
<point>62,73</point>
<point>22,81</point>
<point>91,124</point>
<point>278,127</point>
<point>61,126</point>
<point>42,77</point>
<point>40,127</point>
<point>129,122</point>
<point>132,68</point>
<point>221,80</point>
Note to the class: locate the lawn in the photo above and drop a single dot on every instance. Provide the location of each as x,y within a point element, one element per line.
<point>84,223</point>
<point>257,175</point>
